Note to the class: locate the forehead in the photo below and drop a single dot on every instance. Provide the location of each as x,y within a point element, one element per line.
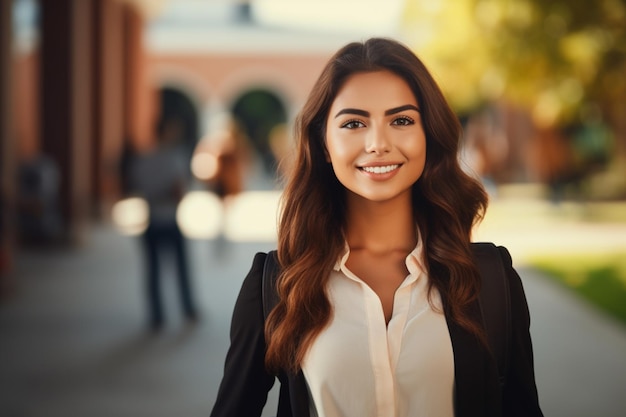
<point>374,90</point>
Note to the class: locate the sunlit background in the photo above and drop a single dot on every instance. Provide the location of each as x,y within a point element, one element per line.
<point>540,89</point>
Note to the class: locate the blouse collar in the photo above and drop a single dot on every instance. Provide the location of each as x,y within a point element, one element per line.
<point>413,260</point>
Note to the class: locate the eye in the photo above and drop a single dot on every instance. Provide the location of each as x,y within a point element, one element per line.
<point>353,124</point>
<point>403,121</point>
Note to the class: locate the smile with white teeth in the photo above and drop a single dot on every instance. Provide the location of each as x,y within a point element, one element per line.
<point>380,169</point>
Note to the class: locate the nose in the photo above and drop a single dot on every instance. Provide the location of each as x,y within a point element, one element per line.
<point>377,142</point>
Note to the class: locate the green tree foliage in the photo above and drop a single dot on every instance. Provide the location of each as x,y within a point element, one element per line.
<point>565,60</point>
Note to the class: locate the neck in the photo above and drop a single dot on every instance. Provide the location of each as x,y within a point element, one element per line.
<point>381,226</point>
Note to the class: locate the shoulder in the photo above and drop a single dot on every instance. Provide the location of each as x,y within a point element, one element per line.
<point>488,256</point>
<point>506,256</point>
<point>514,285</point>
<point>256,270</point>
<point>252,283</point>
<point>493,253</point>
<point>515,282</point>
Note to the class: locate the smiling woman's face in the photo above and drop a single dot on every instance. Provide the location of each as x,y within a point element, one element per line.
<point>374,136</point>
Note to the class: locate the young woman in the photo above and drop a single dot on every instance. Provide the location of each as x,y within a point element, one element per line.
<point>378,312</point>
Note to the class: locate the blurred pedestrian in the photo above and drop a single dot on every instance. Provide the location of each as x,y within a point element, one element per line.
<point>377,310</point>
<point>220,161</point>
<point>38,204</point>
<point>160,176</point>
<point>227,144</point>
<point>125,163</point>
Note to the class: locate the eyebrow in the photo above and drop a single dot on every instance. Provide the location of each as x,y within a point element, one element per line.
<point>400,109</point>
<point>387,112</point>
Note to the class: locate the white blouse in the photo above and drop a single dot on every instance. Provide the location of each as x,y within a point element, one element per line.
<point>360,366</point>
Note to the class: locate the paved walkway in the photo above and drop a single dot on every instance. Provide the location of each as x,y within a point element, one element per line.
<point>73,341</point>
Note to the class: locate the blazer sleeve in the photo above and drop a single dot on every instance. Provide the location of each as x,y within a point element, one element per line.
<point>245,384</point>
<point>520,392</point>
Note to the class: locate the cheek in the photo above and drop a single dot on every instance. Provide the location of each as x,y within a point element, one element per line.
<point>419,145</point>
<point>417,154</point>
<point>420,151</point>
<point>338,148</point>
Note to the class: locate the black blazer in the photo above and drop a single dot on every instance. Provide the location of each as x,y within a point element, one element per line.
<point>244,387</point>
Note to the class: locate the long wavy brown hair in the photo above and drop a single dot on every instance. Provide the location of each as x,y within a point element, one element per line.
<point>446,203</point>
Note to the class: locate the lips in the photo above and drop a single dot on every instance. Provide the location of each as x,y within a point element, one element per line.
<point>381,169</point>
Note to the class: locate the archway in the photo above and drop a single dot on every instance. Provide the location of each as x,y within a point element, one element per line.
<point>177,104</point>
<point>259,111</point>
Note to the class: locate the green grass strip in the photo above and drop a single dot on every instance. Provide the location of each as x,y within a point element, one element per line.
<point>598,278</point>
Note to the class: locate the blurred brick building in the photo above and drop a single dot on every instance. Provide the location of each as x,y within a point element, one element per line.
<point>82,79</point>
